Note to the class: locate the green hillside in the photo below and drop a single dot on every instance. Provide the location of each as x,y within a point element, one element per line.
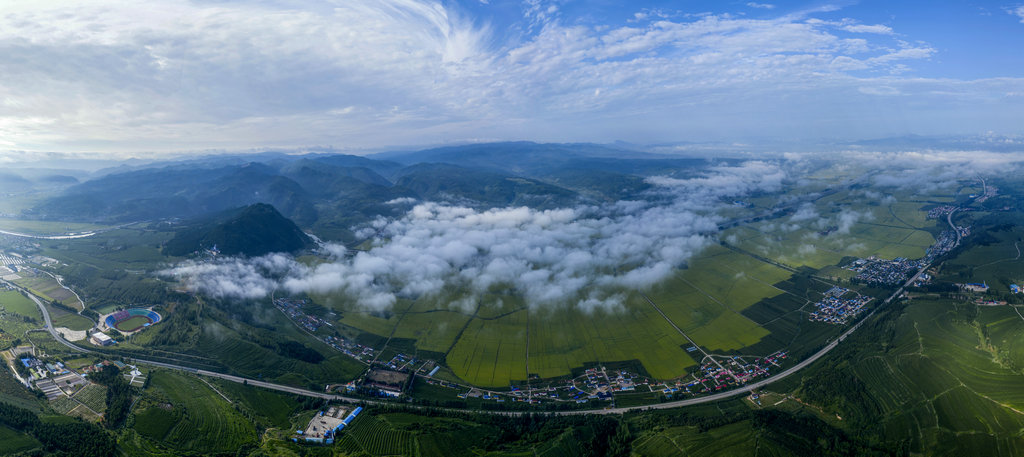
<point>252,231</point>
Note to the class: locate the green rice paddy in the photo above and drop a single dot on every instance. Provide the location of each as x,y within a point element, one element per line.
<point>502,340</point>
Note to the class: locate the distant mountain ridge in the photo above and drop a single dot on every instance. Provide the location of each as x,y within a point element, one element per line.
<point>329,194</point>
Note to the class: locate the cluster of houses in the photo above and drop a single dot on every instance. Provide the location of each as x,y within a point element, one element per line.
<point>942,211</point>
<point>721,372</point>
<point>293,309</point>
<point>945,242</point>
<point>873,270</point>
<point>834,309</point>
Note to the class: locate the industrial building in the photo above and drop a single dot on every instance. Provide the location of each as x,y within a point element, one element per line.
<point>325,425</point>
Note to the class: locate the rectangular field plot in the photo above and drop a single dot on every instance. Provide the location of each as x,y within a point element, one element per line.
<point>94,396</point>
<point>47,287</point>
<point>433,330</point>
<point>728,332</point>
<point>491,352</point>
<point>564,340</point>
<point>14,302</point>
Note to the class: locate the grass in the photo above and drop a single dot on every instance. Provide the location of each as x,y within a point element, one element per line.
<point>275,408</point>
<point>13,442</point>
<point>14,302</point>
<point>729,301</point>
<point>73,322</point>
<point>132,323</point>
<point>48,288</point>
<point>183,413</point>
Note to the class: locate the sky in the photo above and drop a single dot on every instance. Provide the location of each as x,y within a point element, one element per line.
<point>122,78</point>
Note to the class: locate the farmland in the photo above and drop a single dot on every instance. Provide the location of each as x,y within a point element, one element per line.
<point>183,413</point>
<point>94,396</point>
<point>379,433</point>
<point>47,287</point>
<point>20,314</point>
<point>14,302</point>
<point>739,297</point>
<point>938,374</point>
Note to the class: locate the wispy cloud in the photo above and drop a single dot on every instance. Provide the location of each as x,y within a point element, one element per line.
<point>766,6</point>
<point>1017,11</point>
<point>187,75</point>
<point>581,257</point>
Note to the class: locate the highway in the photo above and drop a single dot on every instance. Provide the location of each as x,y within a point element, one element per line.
<point>667,405</point>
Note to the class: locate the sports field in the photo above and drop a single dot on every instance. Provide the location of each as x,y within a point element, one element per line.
<point>502,340</point>
<point>132,323</point>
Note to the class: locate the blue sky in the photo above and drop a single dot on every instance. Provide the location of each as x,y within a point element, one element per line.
<point>124,77</point>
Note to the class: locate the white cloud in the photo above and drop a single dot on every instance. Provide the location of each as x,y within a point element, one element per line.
<point>861,28</point>
<point>806,212</point>
<point>184,75</point>
<point>580,257</point>
<point>766,6</point>
<point>1017,11</point>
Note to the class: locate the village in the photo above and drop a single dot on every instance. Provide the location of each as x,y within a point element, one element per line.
<point>393,377</point>
<point>873,270</point>
<point>834,309</point>
<point>293,308</point>
<point>66,385</point>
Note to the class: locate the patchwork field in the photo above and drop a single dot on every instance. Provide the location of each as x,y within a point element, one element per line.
<point>19,314</point>
<point>185,414</point>
<point>943,377</point>
<point>47,287</point>
<point>740,297</point>
<point>14,302</point>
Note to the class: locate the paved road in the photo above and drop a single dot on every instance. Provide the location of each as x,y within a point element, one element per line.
<point>46,318</point>
<point>667,405</point>
<point>672,404</point>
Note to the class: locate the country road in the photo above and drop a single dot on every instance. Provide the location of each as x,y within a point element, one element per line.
<point>667,405</point>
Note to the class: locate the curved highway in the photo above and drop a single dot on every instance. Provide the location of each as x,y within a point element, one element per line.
<point>667,405</point>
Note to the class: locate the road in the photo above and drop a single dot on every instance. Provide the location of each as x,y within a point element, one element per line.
<point>46,318</point>
<point>949,220</point>
<point>692,343</point>
<point>667,405</point>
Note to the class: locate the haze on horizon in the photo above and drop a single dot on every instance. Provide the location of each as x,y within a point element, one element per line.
<point>115,77</point>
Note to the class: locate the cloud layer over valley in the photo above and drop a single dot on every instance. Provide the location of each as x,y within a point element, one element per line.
<point>583,256</point>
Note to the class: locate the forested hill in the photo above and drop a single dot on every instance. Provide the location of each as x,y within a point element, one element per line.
<point>252,230</point>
